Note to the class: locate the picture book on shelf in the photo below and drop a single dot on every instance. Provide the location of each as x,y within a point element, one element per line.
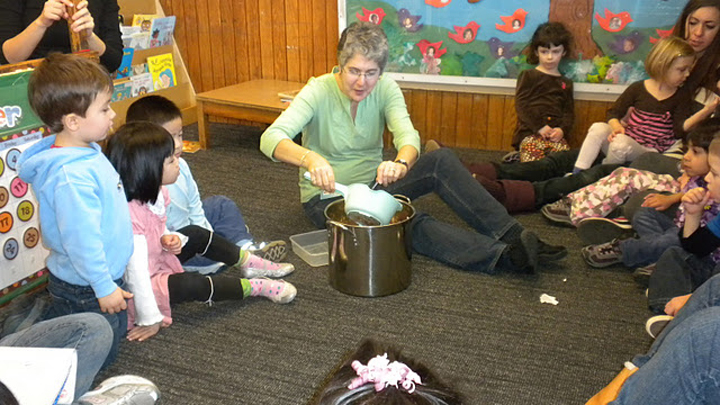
<point>139,69</point>
<point>122,89</point>
<point>125,63</point>
<point>144,21</point>
<point>142,84</point>
<point>138,40</point>
<point>161,31</point>
<point>162,69</point>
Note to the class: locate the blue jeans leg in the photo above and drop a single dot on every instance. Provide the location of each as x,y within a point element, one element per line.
<point>442,173</point>
<point>89,334</point>
<point>683,368</point>
<point>226,220</point>
<point>657,232</point>
<point>70,299</point>
<point>678,272</point>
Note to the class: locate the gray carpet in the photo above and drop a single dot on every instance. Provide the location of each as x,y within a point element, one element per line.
<point>488,335</point>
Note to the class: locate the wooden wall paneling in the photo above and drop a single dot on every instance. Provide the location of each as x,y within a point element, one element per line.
<point>509,122</point>
<point>479,121</point>
<point>292,38</point>
<point>267,38</point>
<point>417,112</point>
<point>463,120</point>
<point>496,114</point>
<point>217,44</point>
<point>305,43</point>
<point>332,36</point>
<point>227,30</point>
<point>448,117</point>
<point>252,37</point>
<point>581,125</point>
<point>433,115</point>
<point>280,48</point>
<point>192,51</point>
<point>319,38</point>
<point>205,49</point>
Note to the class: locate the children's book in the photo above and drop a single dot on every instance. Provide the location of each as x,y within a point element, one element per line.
<point>129,30</point>
<point>125,63</point>
<point>144,21</point>
<point>162,69</point>
<point>161,31</point>
<point>138,40</point>
<point>139,69</point>
<point>141,84</point>
<point>122,89</point>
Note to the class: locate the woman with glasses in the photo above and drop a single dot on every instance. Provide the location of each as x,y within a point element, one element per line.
<point>342,116</point>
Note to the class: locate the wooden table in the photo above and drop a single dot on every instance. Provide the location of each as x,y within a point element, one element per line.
<point>255,100</point>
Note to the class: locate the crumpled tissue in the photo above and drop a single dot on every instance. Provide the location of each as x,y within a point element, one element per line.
<point>548,299</point>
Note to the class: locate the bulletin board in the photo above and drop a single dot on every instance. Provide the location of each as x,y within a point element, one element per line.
<point>480,42</point>
<point>22,262</point>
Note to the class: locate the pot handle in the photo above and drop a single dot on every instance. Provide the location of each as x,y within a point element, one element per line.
<point>343,227</point>
<point>402,198</point>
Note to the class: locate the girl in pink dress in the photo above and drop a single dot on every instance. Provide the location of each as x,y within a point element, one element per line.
<point>142,152</point>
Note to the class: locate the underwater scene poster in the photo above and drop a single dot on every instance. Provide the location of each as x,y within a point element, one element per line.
<point>437,39</point>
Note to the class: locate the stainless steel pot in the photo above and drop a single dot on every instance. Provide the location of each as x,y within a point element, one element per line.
<point>369,261</point>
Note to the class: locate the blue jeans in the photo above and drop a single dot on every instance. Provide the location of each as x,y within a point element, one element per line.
<point>227,221</point>
<point>70,299</point>
<point>678,272</point>
<point>683,364</point>
<point>441,172</point>
<point>89,334</point>
<point>657,232</point>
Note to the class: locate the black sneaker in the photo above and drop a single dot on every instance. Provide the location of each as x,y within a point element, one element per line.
<point>656,324</point>
<point>550,253</point>
<point>594,231</point>
<point>523,254</point>
<point>641,275</point>
<point>603,255</point>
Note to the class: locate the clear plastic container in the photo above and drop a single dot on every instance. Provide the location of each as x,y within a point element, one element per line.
<point>311,247</point>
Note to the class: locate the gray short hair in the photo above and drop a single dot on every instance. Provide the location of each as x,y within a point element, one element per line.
<point>366,39</point>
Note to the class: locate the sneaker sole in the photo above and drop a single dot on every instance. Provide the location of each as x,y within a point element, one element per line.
<point>655,320</point>
<point>595,231</point>
<point>274,251</point>
<point>642,277</point>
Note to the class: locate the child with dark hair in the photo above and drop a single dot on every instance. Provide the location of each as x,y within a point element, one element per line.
<point>142,152</point>
<point>656,231</point>
<point>543,96</point>
<point>380,374</point>
<point>216,213</point>
<point>84,216</point>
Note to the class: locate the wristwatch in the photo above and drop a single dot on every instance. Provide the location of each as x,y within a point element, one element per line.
<point>402,162</point>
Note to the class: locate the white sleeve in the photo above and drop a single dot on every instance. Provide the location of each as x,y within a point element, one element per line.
<point>137,279</point>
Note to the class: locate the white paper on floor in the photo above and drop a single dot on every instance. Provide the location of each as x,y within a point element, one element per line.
<point>548,299</point>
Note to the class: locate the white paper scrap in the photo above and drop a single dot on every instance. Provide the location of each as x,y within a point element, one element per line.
<point>548,299</point>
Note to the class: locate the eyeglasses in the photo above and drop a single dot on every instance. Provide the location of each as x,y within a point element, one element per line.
<point>369,75</point>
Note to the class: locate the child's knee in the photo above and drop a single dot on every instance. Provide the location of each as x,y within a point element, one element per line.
<point>599,130</point>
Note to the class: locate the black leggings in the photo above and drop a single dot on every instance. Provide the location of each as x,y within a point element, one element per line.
<point>184,287</point>
<point>219,248</point>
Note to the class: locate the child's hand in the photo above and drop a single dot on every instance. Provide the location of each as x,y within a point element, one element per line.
<point>695,200</point>
<point>545,131</point>
<point>660,202</point>
<point>115,302</point>
<point>555,135</point>
<point>171,243</point>
<point>141,333</point>
<point>675,304</point>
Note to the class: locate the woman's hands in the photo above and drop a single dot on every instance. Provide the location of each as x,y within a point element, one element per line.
<point>389,172</point>
<point>54,10</point>
<point>321,173</point>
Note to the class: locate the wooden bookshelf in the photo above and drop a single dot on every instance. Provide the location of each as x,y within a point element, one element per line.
<point>183,93</point>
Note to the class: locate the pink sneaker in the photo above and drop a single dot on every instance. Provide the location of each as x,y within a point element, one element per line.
<point>277,291</point>
<point>256,266</point>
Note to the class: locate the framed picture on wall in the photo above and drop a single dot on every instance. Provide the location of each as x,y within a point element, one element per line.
<point>481,42</point>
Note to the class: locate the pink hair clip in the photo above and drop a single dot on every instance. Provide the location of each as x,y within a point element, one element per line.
<point>383,373</point>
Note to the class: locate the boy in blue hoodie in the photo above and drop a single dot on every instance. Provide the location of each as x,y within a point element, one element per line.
<point>84,214</point>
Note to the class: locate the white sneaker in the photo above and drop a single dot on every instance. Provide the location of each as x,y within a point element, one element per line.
<point>273,251</point>
<point>256,266</point>
<point>277,291</point>
<point>122,390</point>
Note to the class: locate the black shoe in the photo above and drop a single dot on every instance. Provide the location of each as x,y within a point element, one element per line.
<point>641,275</point>
<point>550,253</point>
<point>523,254</point>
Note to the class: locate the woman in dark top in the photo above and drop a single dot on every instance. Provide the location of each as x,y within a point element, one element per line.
<point>30,29</point>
